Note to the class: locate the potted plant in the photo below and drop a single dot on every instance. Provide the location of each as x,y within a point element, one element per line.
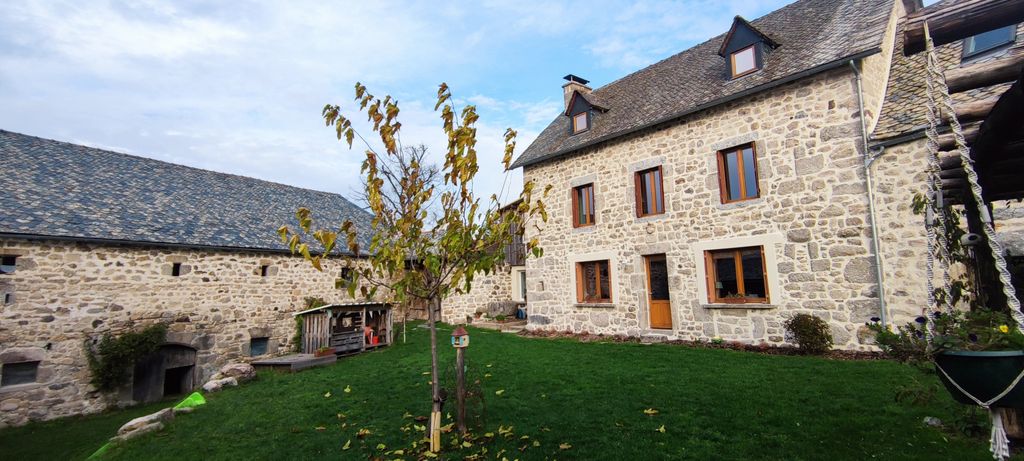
<point>324,351</point>
<point>978,355</point>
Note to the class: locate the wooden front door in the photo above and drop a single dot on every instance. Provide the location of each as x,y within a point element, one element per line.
<point>657,292</point>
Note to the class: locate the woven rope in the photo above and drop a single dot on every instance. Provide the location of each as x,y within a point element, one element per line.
<point>937,87</point>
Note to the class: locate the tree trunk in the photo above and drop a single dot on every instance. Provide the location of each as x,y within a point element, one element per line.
<point>435,386</point>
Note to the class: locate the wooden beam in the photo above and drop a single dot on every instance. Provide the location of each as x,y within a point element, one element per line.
<point>982,74</point>
<point>973,111</point>
<point>947,142</point>
<point>949,161</point>
<point>954,183</point>
<point>952,173</point>
<point>959,21</point>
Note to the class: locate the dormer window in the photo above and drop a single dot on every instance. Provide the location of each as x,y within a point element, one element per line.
<point>988,41</point>
<point>580,123</point>
<point>745,48</point>
<point>744,61</point>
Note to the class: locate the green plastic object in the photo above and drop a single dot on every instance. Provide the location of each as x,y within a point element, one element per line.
<point>100,452</point>
<point>984,375</point>
<point>193,400</point>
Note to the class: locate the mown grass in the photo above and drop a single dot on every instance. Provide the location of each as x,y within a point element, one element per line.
<point>589,397</point>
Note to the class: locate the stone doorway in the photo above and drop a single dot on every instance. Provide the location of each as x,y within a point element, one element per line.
<point>170,371</point>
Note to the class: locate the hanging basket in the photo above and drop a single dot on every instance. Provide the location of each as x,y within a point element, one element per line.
<point>984,375</point>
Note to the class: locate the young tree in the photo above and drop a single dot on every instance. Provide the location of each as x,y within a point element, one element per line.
<point>412,254</point>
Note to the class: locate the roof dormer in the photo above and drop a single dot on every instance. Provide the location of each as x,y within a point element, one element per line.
<point>745,48</point>
<point>580,104</point>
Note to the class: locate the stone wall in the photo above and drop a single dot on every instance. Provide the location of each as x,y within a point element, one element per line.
<point>66,293</point>
<point>811,217</point>
<point>488,289</point>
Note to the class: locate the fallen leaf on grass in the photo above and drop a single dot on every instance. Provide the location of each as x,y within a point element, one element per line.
<point>564,446</point>
<point>536,443</point>
<point>487,375</point>
<point>348,389</point>
<point>419,427</point>
<point>420,419</point>
<point>363,433</point>
<point>320,428</point>
<point>347,445</point>
<point>327,395</point>
<point>662,429</point>
<point>447,428</point>
<point>398,452</point>
<point>499,392</point>
<point>341,415</point>
<point>382,447</point>
<point>650,412</point>
<point>489,365</point>
<point>466,444</point>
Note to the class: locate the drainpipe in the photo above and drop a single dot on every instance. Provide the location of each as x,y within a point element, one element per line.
<point>868,159</point>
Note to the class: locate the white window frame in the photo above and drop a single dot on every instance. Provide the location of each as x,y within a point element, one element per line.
<point>518,284</point>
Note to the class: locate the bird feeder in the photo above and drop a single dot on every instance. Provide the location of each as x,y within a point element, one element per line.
<point>460,338</point>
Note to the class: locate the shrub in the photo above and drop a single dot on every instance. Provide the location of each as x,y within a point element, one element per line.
<point>112,358</point>
<point>811,333</point>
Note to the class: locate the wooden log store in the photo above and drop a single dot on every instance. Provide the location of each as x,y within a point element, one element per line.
<point>346,328</point>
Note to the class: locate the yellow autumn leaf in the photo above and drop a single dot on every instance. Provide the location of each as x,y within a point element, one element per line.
<point>320,428</point>
<point>327,395</point>
<point>347,445</point>
<point>536,443</point>
<point>564,446</point>
<point>466,444</point>
<point>650,412</point>
<point>348,389</point>
<point>381,447</point>
<point>499,392</point>
<point>662,429</point>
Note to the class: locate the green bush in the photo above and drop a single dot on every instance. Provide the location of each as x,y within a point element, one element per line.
<point>811,333</point>
<point>113,358</point>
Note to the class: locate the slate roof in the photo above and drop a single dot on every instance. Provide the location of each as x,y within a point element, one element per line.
<point>810,33</point>
<point>904,110</point>
<point>58,189</point>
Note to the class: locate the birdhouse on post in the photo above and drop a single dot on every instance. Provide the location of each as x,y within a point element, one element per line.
<point>460,338</point>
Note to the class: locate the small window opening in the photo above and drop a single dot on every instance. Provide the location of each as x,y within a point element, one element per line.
<point>264,270</point>
<point>8,298</point>
<point>13,374</point>
<point>744,62</point>
<point>583,206</point>
<point>987,41</point>
<point>258,346</point>
<point>176,270</point>
<point>580,122</point>
<point>7,264</point>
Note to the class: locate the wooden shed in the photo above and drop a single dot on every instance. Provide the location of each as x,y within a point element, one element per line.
<point>346,328</point>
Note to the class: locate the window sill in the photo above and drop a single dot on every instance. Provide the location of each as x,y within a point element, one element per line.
<point>651,217</point>
<point>738,306</point>
<point>585,229</point>
<point>740,203</point>
<point>20,387</point>
<point>601,305</point>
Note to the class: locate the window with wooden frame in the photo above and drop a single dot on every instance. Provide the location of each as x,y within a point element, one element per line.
<point>650,196</point>
<point>580,122</point>
<point>737,276</point>
<point>744,61</point>
<point>737,174</point>
<point>583,205</point>
<point>593,282</point>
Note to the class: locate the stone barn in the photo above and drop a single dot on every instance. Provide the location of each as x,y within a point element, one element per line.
<point>94,242</point>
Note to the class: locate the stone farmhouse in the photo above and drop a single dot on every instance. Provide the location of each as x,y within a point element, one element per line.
<point>96,242</point>
<point>766,172</point>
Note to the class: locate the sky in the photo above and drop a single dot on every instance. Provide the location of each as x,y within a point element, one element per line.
<point>238,86</point>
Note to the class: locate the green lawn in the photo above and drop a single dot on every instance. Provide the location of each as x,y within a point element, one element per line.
<point>588,397</point>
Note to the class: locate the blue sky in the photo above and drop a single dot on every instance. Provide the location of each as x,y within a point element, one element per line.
<point>238,86</point>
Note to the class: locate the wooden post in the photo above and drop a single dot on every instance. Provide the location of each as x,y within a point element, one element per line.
<point>435,386</point>
<point>460,388</point>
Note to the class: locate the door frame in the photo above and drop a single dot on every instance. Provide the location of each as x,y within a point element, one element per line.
<point>650,301</point>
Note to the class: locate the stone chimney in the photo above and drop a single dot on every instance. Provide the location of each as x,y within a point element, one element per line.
<point>575,84</point>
